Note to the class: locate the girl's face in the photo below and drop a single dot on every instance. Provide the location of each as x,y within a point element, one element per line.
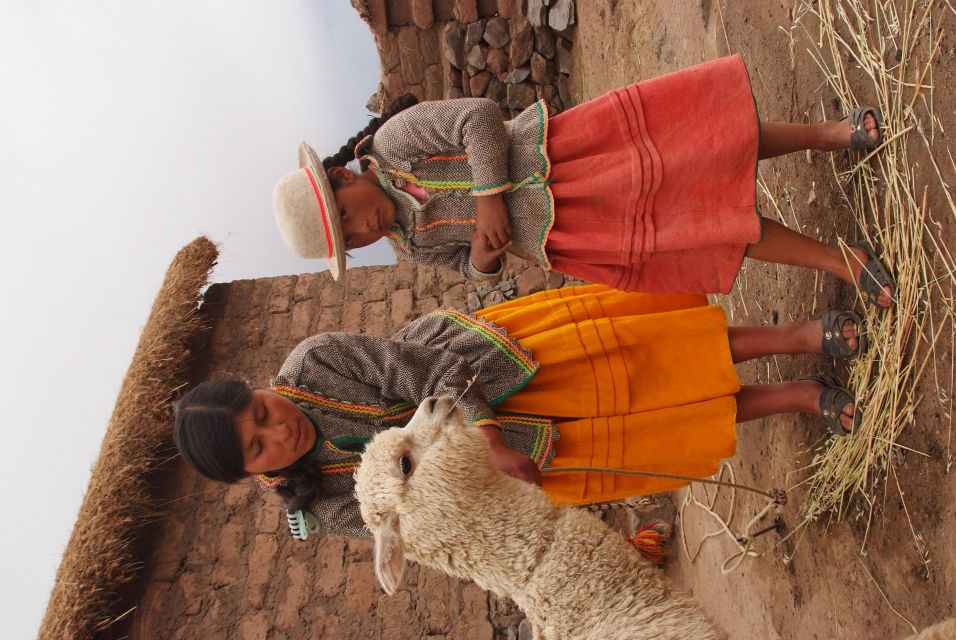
<point>365,209</point>
<point>273,433</point>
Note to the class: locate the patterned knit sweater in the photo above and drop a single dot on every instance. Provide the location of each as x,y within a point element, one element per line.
<point>353,386</point>
<point>457,151</point>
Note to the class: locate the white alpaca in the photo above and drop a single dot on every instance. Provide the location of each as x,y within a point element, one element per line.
<point>429,492</point>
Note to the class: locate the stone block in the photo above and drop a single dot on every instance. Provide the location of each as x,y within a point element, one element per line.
<point>497,61</point>
<point>430,42</point>
<point>466,10</point>
<point>237,495</point>
<point>530,281</point>
<point>388,51</point>
<point>563,55</point>
<point>496,90</point>
<point>403,307</point>
<point>255,626</point>
<point>451,93</point>
<point>377,16</point>
<point>299,583</point>
<point>426,305</point>
<point>476,57</point>
<point>422,14</point>
<point>451,77</point>
<point>544,42</point>
<point>352,316</point>
<point>397,616</point>
<point>561,14</point>
<point>453,44</point>
<point>454,297</point>
<point>473,33</point>
<point>281,297</point>
<point>522,42</point>
<point>301,325</point>
<point>543,71</point>
<point>262,562</point>
<point>377,278</point>
<point>361,587</point>
<point>193,589</point>
<point>496,32</point>
<point>410,55</point>
<point>537,12</point>
<point>434,87</point>
<point>518,74</point>
<point>268,516</point>
<point>479,83</point>
<point>330,566</point>
<point>564,90</point>
<point>507,8</point>
<point>394,85</point>
<point>399,12</point>
<point>376,319</point>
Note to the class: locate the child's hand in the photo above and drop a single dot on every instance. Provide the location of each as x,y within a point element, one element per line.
<point>492,236</point>
<point>515,464</point>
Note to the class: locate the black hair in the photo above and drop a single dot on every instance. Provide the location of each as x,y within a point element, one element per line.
<point>347,152</point>
<point>204,433</point>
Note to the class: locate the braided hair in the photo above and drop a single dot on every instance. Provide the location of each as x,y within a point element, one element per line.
<point>347,152</point>
<point>205,435</point>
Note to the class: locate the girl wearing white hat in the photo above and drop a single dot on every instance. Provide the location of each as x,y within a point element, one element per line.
<point>648,188</point>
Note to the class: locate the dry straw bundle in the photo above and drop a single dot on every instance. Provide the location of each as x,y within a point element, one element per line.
<point>100,559</point>
<point>888,50</point>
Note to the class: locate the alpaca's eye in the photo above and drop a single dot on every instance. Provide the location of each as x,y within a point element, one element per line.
<point>405,464</point>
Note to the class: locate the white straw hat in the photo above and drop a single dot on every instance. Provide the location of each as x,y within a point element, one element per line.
<point>306,214</point>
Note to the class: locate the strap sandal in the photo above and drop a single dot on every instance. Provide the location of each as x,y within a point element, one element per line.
<point>860,140</point>
<point>874,275</point>
<point>834,344</point>
<point>833,398</point>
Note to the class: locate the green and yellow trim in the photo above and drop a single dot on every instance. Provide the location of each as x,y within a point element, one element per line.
<point>387,414</point>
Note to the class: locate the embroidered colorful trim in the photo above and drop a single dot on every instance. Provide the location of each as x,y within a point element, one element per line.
<point>438,223</point>
<point>504,345</point>
<point>485,422</point>
<point>388,414</point>
<point>492,189</point>
<point>544,434</point>
<point>546,172</point>
<point>271,482</point>
<point>460,156</point>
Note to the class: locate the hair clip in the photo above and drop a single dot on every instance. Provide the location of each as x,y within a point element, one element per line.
<point>301,523</point>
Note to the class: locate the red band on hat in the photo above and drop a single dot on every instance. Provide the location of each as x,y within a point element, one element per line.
<point>325,215</point>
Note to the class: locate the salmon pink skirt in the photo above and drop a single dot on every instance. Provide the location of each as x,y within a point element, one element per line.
<point>634,381</point>
<point>654,184</point>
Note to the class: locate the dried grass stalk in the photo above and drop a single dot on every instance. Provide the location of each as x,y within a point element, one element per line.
<point>99,559</point>
<point>856,46</point>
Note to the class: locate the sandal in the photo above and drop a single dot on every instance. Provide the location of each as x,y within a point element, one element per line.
<point>874,275</point>
<point>860,140</point>
<point>834,344</point>
<point>833,398</point>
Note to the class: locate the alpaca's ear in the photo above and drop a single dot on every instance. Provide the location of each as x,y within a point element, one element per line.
<point>389,554</point>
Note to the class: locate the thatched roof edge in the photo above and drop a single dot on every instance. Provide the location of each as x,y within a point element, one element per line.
<point>99,561</point>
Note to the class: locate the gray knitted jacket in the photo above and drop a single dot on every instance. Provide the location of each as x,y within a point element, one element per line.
<point>352,386</point>
<point>458,150</point>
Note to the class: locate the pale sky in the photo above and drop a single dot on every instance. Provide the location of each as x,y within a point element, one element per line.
<point>127,129</point>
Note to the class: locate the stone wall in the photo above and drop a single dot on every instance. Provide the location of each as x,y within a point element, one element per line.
<point>223,564</point>
<point>511,51</point>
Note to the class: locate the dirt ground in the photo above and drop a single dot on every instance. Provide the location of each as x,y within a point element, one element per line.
<point>837,584</point>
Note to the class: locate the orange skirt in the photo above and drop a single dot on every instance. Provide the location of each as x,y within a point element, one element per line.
<point>634,381</point>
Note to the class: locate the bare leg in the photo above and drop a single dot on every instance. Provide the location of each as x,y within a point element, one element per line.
<point>805,336</point>
<point>781,138</point>
<point>756,401</point>
<point>781,245</point>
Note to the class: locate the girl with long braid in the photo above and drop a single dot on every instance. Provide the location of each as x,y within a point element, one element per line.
<point>648,188</point>
<point>573,377</point>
